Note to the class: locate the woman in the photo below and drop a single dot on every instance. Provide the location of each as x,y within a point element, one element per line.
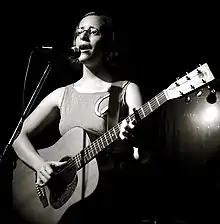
<point>77,104</point>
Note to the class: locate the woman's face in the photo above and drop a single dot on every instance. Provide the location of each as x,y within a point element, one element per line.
<point>88,40</point>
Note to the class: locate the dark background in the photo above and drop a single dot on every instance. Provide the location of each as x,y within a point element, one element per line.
<point>157,43</point>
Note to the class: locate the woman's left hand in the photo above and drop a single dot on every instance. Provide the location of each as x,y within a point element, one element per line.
<point>127,133</point>
<point>126,130</point>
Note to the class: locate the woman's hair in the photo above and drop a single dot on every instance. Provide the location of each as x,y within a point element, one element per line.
<point>107,31</point>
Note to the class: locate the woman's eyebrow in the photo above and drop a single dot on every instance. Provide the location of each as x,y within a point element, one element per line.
<point>83,27</point>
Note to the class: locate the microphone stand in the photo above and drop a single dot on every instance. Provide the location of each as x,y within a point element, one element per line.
<point>26,111</point>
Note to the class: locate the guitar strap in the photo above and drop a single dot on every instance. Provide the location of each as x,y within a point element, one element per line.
<point>115,100</point>
<point>114,103</point>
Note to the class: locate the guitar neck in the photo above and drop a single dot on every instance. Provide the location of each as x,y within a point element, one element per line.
<point>88,153</point>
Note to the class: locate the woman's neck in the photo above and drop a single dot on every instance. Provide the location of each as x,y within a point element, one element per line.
<point>98,80</point>
<point>97,74</point>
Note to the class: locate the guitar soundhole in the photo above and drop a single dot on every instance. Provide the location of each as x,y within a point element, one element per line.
<point>62,184</point>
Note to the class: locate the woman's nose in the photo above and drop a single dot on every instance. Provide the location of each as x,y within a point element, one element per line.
<point>84,35</point>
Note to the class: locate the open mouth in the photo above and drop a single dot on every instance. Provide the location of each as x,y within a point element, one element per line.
<point>85,47</point>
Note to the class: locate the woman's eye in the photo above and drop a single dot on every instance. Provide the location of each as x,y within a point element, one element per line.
<point>94,31</point>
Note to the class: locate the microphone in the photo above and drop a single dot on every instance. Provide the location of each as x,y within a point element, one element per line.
<point>72,52</point>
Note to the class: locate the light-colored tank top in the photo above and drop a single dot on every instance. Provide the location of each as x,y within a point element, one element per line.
<point>88,110</point>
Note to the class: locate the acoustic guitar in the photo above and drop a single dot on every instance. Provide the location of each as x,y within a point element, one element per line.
<point>78,178</point>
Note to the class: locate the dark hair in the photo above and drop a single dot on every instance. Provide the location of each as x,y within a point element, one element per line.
<point>107,31</point>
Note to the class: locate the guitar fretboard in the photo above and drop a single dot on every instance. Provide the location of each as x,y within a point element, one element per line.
<point>88,153</point>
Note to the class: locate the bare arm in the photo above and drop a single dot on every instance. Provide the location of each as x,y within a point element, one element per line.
<point>133,99</point>
<point>45,113</point>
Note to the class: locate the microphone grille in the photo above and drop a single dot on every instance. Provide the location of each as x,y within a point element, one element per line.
<point>75,49</point>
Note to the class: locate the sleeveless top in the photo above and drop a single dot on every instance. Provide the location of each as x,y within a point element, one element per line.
<point>88,110</point>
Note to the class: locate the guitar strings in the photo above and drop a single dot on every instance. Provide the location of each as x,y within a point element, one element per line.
<point>161,99</point>
<point>77,162</point>
<point>89,150</point>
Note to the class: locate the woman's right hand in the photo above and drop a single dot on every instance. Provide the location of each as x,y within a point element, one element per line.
<point>45,170</point>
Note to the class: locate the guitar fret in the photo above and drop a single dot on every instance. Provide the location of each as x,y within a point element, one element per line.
<point>104,141</point>
<point>100,146</point>
<point>117,129</point>
<point>97,148</point>
<point>142,110</point>
<point>149,106</point>
<point>106,138</point>
<point>157,101</point>
<point>153,104</point>
<point>148,111</point>
<point>78,160</point>
<point>91,153</point>
<point>111,136</point>
<point>115,132</point>
<point>164,96</point>
<point>101,142</point>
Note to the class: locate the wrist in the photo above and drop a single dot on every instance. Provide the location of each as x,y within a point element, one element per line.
<point>38,162</point>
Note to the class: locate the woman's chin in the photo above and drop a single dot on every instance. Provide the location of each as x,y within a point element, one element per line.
<point>84,56</point>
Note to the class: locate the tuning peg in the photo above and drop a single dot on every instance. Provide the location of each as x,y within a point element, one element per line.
<point>193,87</point>
<point>198,68</point>
<point>187,99</point>
<point>199,71</point>
<point>199,93</point>
<point>211,98</point>
<point>177,84</point>
<point>203,80</point>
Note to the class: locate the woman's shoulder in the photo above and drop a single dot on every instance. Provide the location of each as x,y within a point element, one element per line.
<point>126,84</point>
<point>132,88</point>
<point>55,97</point>
<point>58,92</point>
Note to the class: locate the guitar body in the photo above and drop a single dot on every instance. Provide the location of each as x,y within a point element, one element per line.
<point>25,198</point>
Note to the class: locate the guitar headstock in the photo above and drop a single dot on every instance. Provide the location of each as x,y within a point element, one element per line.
<point>191,81</point>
